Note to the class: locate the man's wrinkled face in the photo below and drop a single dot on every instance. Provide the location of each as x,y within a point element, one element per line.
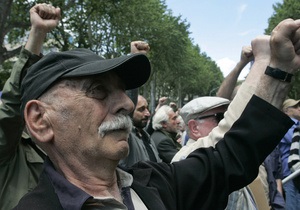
<point>172,125</point>
<point>203,124</point>
<point>90,117</point>
<point>141,113</point>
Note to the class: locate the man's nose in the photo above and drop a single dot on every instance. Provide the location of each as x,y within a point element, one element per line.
<point>123,103</point>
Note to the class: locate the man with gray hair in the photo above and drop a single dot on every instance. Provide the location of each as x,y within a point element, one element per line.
<point>166,127</point>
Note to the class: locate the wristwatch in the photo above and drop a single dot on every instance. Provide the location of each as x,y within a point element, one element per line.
<point>278,74</point>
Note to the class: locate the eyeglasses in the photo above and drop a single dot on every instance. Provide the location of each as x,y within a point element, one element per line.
<point>219,116</point>
<point>294,107</point>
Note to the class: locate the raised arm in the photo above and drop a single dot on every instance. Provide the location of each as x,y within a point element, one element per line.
<point>285,59</point>
<point>43,19</point>
<point>227,87</point>
<point>257,82</point>
<point>137,47</point>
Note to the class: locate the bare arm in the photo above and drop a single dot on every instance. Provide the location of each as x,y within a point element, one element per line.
<point>229,83</point>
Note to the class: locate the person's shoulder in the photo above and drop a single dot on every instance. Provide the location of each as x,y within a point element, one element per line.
<point>159,135</point>
<point>156,133</point>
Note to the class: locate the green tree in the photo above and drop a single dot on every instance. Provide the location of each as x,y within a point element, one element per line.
<point>107,27</point>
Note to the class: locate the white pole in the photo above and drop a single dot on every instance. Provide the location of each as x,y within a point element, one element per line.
<point>291,176</point>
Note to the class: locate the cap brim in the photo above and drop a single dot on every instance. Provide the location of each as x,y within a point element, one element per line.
<point>134,70</point>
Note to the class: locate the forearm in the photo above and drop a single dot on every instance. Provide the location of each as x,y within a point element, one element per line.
<point>279,186</point>
<point>35,40</point>
<point>229,82</point>
<point>272,90</point>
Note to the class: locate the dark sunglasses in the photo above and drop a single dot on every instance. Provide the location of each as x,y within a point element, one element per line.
<point>219,116</point>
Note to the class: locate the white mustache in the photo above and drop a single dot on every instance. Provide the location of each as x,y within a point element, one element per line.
<point>119,122</point>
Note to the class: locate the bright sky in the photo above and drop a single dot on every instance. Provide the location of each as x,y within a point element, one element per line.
<point>221,28</point>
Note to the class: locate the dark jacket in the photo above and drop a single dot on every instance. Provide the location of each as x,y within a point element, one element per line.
<point>137,149</point>
<point>207,176</point>
<point>166,145</point>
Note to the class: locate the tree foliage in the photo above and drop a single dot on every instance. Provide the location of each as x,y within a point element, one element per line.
<point>179,68</point>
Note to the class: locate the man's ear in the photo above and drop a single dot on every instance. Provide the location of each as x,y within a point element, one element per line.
<point>37,122</point>
<point>194,130</point>
<point>164,124</point>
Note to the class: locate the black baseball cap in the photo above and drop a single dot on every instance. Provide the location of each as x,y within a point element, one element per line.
<point>133,69</point>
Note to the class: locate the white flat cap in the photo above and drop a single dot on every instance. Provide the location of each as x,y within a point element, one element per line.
<point>200,105</point>
<point>289,103</point>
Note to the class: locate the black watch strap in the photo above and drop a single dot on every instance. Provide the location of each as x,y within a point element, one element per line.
<point>278,74</point>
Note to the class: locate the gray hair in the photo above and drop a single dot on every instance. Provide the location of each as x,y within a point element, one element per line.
<point>120,121</point>
<point>162,115</point>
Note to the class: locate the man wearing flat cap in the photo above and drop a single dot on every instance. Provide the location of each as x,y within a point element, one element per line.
<point>291,107</point>
<point>201,115</point>
<point>78,113</point>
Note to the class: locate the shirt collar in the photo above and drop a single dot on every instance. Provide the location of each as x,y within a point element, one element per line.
<point>125,179</point>
<point>295,120</point>
<point>72,197</point>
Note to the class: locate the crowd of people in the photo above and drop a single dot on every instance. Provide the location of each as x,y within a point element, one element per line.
<point>76,134</point>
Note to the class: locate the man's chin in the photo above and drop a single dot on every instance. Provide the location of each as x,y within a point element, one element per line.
<point>123,153</point>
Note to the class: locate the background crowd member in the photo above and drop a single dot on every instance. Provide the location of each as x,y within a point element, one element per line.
<point>181,134</point>
<point>273,180</point>
<point>292,194</point>
<point>201,115</point>
<point>92,147</point>
<point>165,125</point>
<point>161,101</point>
<point>294,158</point>
<point>199,128</point>
<point>20,160</point>
<point>141,146</point>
